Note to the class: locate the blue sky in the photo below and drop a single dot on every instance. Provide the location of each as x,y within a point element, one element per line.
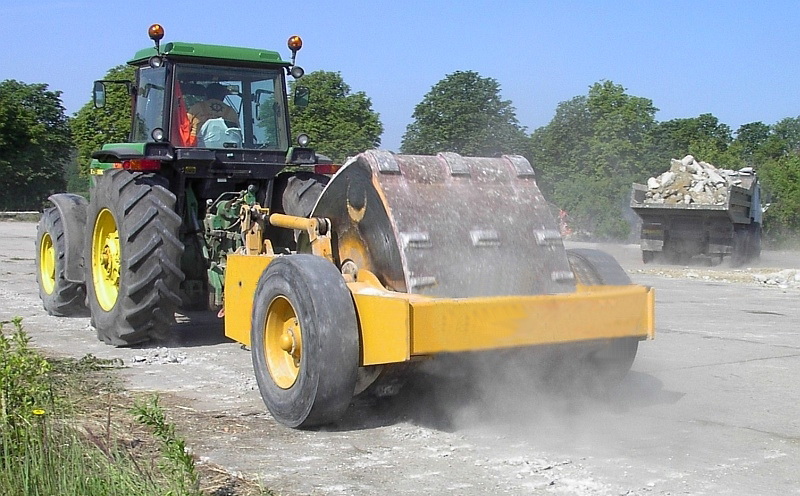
<point>737,60</point>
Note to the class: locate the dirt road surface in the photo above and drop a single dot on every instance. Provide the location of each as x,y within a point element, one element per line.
<point>711,406</point>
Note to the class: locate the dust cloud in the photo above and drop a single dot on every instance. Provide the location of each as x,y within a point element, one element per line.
<point>540,397</point>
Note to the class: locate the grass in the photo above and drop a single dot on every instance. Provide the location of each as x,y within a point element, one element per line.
<point>67,428</point>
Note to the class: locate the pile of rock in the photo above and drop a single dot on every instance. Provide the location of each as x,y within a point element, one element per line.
<point>784,279</point>
<point>688,181</point>
<point>160,356</point>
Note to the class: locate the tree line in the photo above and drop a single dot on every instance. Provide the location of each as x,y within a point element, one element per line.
<point>585,158</point>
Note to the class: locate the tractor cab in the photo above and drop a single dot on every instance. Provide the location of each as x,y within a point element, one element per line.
<point>215,98</point>
<point>208,106</point>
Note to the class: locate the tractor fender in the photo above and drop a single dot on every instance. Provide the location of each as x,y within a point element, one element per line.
<point>72,209</point>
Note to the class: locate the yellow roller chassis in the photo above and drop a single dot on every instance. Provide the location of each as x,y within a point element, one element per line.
<point>394,327</point>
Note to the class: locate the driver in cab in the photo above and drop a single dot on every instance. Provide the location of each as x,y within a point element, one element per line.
<point>212,108</point>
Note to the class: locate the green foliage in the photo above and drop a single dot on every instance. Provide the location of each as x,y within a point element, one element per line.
<point>47,448</point>
<point>34,144</point>
<point>339,123</point>
<point>464,113</point>
<point>588,155</point>
<point>92,127</point>
<point>703,136</point>
<point>594,205</point>
<point>781,178</point>
<point>24,386</point>
<point>621,127</point>
<point>177,460</point>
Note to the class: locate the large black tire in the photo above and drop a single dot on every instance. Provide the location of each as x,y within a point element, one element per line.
<point>741,246</point>
<point>59,296</point>
<point>754,246</point>
<point>132,278</point>
<point>302,192</point>
<point>602,366</point>
<point>308,378</point>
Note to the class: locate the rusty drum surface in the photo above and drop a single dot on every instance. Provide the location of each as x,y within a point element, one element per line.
<point>446,225</point>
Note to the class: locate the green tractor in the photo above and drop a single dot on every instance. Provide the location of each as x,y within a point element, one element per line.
<point>209,136</point>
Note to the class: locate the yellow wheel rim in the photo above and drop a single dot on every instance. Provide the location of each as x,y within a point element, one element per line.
<point>47,264</point>
<point>106,259</point>
<point>283,345</point>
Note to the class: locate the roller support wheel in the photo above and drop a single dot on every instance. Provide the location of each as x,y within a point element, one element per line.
<point>133,257</point>
<point>603,366</point>
<point>59,296</point>
<point>304,341</point>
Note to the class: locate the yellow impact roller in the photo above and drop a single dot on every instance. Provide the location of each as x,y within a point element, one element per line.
<point>408,256</point>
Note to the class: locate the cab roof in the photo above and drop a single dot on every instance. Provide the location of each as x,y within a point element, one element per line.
<point>214,52</point>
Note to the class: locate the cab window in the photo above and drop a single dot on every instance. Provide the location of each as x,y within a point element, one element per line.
<point>149,111</point>
<point>222,107</point>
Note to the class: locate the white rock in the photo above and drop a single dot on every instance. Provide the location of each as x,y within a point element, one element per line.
<point>687,160</point>
<point>698,186</point>
<point>667,178</point>
<point>653,183</point>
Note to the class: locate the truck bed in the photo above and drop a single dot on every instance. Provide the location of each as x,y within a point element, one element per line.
<point>736,208</point>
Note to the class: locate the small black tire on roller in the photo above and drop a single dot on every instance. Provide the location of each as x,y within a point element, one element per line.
<point>304,341</point>
<point>606,364</point>
<point>133,256</point>
<point>59,296</point>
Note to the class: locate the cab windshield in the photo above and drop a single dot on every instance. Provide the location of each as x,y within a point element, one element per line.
<point>222,107</point>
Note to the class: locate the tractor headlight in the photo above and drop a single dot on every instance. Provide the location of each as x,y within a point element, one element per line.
<point>303,140</point>
<point>155,61</point>
<point>297,72</point>
<point>157,134</point>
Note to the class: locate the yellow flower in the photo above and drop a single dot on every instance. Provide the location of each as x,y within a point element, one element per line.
<point>38,411</point>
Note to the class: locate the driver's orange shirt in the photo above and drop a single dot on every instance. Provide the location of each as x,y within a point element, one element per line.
<point>209,109</point>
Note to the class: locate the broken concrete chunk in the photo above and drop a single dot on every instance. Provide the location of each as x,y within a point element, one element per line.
<point>689,181</point>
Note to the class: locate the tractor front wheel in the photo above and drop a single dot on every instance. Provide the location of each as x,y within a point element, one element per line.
<point>304,341</point>
<point>132,257</point>
<point>59,296</point>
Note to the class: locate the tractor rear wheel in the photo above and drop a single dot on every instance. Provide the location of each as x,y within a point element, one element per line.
<point>133,257</point>
<point>59,296</point>
<point>304,341</point>
<point>601,367</point>
<point>301,193</point>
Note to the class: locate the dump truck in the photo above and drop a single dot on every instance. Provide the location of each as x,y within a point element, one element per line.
<point>701,212</point>
<point>334,282</point>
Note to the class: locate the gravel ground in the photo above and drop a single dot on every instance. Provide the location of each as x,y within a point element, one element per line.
<point>710,406</point>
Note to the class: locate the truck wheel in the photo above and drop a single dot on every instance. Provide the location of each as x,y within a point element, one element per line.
<point>304,341</point>
<point>133,257</point>
<point>601,367</point>
<point>60,297</point>
<point>740,248</point>
<point>755,241</point>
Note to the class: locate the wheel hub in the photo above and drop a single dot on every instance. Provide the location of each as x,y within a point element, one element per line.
<point>106,259</point>
<point>47,263</point>
<point>283,344</point>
